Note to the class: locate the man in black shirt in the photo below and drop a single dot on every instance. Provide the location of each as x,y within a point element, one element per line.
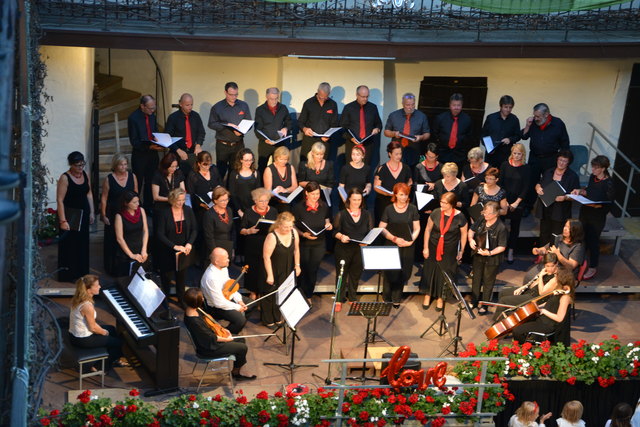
<point>452,130</point>
<point>319,113</point>
<point>187,124</point>
<point>504,130</point>
<point>141,125</point>
<point>360,119</point>
<point>273,122</point>
<point>224,114</point>
<point>548,136</point>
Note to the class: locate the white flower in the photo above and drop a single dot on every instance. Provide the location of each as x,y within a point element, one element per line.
<point>195,405</point>
<point>594,347</point>
<point>606,353</point>
<point>445,405</point>
<point>209,398</point>
<point>94,397</point>
<point>384,412</point>
<point>595,359</point>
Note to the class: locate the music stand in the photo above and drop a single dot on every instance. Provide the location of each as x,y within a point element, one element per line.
<point>462,303</point>
<point>379,258</point>
<point>369,310</point>
<point>284,290</point>
<point>443,327</point>
<point>293,308</point>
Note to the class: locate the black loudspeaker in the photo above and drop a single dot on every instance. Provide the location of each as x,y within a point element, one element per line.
<point>409,365</point>
<point>436,91</point>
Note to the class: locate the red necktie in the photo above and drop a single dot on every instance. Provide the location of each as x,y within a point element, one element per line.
<point>149,133</point>
<point>363,130</point>
<point>453,137</point>
<point>187,128</point>
<point>406,130</point>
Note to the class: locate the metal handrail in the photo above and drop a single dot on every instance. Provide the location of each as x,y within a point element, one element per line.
<point>619,154</point>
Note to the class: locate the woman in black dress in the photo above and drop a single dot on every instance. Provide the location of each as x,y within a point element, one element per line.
<point>593,217</point>
<point>177,231</point>
<point>114,185</point>
<point>316,168</point>
<point>280,177</point>
<point>166,178</point>
<point>202,180</point>
<point>554,317</point>
<point>207,343</point>
<point>217,224</point>
<point>451,184</point>
<point>490,191</point>
<point>514,178</point>
<point>356,174</point>
<point>401,224</point>
<point>254,237</point>
<point>132,234</point>
<point>444,241</point>
<point>242,181</point>
<point>75,206</point>
<point>388,175</point>
<point>473,171</point>
<point>428,171</point>
<point>281,256</point>
<point>353,222</point>
<point>553,217</point>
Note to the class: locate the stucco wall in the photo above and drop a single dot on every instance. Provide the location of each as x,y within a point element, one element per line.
<point>69,83</point>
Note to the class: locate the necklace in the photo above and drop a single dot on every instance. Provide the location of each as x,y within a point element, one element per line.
<point>394,170</point>
<point>596,179</point>
<point>223,216</point>
<point>170,181</point>
<point>435,165</point>
<point>180,223</point>
<point>355,213</point>
<point>261,213</point>
<point>318,170</point>
<point>511,162</point>
<point>283,178</point>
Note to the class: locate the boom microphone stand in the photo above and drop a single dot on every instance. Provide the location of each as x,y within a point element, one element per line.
<point>462,303</point>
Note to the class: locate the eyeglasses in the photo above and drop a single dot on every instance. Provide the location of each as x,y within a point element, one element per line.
<point>222,200</point>
<point>80,165</point>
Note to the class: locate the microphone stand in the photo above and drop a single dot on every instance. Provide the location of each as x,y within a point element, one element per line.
<point>332,320</point>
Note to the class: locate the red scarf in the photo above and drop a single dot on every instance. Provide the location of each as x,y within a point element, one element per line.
<point>546,123</point>
<point>132,218</point>
<point>443,230</point>
<point>313,208</point>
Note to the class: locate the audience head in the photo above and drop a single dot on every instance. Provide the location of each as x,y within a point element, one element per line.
<point>203,161</point>
<point>409,103</point>
<point>527,412</point>
<point>621,415</point>
<point>168,164</point>
<point>316,154</point>
<point>601,162</point>
<point>129,200</point>
<point>147,104</point>
<point>220,196</point>
<point>400,191</point>
<point>563,159</point>
<point>362,94</point>
<point>493,174</point>
<point>244,157</point>
<point>219,257</point>
<point>119,163</point>
<point>186,103</point>
<point>193,298</point>
<point>455,104</point>
<point>518,147</point>
<point>573,230</point>
<point>507,100</point>
<point>76,159</point>
<point>261,197</point>
<point>177,197</point>
<point>281,155</point>
<point>283,223</point>
<point>540,113</point>
<point>449,170</point>
<point>490,210</point>
<point>476,155</point>
<point>572,411</point>
<point>354,199</point>
<point>231,92</point>
<point>87,287</point>
<point>394,150</point>
<point>358,152</point>
<point>550,261</point>
<point>431,151</point>
<point>324,90</point>
<point>273,96</point>
<point>449,199</point>
<point>312,192</point>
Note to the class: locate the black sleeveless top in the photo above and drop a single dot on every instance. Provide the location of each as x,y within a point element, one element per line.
<point>76,197</point>
<point>282,261</point>
<point>277,180</point>
<point>115,192</point>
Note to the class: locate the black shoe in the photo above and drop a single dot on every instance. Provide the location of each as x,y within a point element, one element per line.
<point>396,305</point>
<point>440,308</point>
<point>240,377</point>
<point>483,311</point>
<point>426,306</point>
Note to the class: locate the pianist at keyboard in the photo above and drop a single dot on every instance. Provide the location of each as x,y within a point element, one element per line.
<point>207,343</point>
<point>84,331</point>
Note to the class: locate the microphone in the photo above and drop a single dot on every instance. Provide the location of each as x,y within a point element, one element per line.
<point>341,262</point>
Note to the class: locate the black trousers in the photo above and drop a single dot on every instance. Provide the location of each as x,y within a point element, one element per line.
<point>181,279</point>
<point>236,348</point>
<point>537,165</point>
<point>514,217</point>
<point>236,319</point>
<point>112,342</point>
<point>352,256</point>
<point>394,280</point>
<point>269,310</point>
<point>144,165</point>
<point>310,258</point>
<point>226,155</point>
<point>592,231</point>
<point>484,277</point>
<point>264,152</point>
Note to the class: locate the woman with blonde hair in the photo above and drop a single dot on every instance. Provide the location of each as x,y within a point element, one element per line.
<point>281,254</point>
<point>450,183</point>
<point>316,168</point>
<point>527,414</point>
<point>280,176</point>
<point>571,415</point>
<point>514,178</point>
<point>84,331</point>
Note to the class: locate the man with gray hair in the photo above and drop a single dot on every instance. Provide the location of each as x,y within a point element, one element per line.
<point>548,135</point>
<point>319,113</point>
<point>361,120</point>
<point>410,127</point>
<point>273,122</point>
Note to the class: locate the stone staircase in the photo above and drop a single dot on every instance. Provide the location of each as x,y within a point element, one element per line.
<point>113,101</point>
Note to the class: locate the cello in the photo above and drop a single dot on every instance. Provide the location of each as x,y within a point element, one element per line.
<point>519,314</point>
<point>231,286</point>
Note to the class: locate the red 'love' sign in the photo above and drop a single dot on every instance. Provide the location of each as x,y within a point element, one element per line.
<point>409,377</point>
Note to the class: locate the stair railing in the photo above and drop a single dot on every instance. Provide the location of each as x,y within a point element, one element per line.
<point>117,127</point>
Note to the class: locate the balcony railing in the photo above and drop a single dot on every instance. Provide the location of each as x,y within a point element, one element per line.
<point>289,19</point>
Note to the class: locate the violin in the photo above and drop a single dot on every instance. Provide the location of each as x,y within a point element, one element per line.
<point>232,286</point>
<point>213,325</point>
<point>519,315</point>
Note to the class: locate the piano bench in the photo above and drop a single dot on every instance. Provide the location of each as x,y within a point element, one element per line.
<point>226,368</point>
<point>89,356</point>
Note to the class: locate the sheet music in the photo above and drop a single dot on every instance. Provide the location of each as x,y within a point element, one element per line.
<point>146,292</point>
<point>370,237</point>
<point>343,193</point>
<point>381,257</point>
<point>313,232</point>
<point>327,133</point>
<point>411,138</point>
<point>583,200</point>
<point>488,144</point>
<point>327,194</point>
<point>290,197</point>
<point>360,141</point>
<point>294,309</point>
<point>165,140</point>
<point>384,190</point>
<point>275,141</point>
<point>423,198</point>
<point>420,188</point>
<point>286,287</point>
<point>243,127</point>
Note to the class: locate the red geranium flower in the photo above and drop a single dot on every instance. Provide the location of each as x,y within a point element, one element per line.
<point>45,421</point>
<point>241,399</point>
<point>132,408</point>
<point>205,414</point>
<point>623,373</point>
<point>579,353</point>
<point>438,422</point>
<point>134,392</point>
<point>192,397</point>
<point>571,380</point>
<point>364,415</point>
<point>346,407</point>
<point>445,410</point>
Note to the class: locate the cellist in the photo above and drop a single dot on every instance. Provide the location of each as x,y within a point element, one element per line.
<point>231,308</point>
<point>207,343</point>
